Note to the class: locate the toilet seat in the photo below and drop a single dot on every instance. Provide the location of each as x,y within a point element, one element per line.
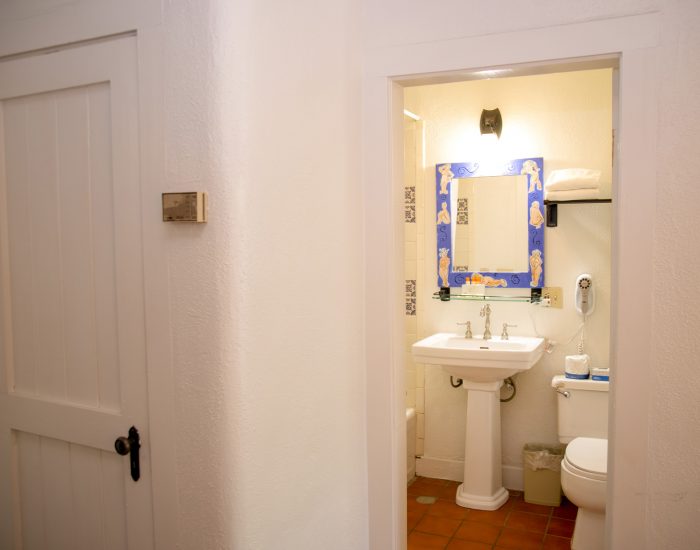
<point>588,457</point>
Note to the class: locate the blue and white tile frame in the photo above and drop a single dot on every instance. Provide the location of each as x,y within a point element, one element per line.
<point>533,168</point>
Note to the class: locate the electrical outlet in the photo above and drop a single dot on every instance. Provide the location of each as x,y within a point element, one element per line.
<point>554,295</point>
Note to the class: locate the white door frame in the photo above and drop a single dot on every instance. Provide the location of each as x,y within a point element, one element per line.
<point>634,39</point>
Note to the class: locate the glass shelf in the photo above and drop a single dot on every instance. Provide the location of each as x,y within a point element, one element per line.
<point>472,298</point>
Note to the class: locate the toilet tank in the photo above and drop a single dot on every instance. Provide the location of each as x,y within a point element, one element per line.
<point>584,413</point>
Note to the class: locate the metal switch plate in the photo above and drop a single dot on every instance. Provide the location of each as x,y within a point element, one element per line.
<point>185,207</point>
<point>553,296</point>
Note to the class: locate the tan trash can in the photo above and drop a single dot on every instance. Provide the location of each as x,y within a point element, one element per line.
<point>542,473</point>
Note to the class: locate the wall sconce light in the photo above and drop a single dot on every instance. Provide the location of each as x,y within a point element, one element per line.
<point>491,122</point>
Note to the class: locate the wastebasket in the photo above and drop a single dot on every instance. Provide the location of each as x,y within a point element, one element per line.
<point>542,473</point>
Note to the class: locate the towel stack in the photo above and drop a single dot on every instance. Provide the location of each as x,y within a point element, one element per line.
<point>572,184</point>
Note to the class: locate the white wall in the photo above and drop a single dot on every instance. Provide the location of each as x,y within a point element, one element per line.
<point>298,463</point>
<point>254,319</point>
<point>655,471</point>
<point>567,119</point>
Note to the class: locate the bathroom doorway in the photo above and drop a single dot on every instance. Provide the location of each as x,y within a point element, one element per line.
<point>566,117</point>
<point>629,40</point>
<point>564,114</point>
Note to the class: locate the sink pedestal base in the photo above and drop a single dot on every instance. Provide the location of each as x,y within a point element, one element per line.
<point>483,484</point>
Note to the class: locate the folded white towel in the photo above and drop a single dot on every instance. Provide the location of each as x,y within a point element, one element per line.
<point>572,178</point>
<point>572,195</point>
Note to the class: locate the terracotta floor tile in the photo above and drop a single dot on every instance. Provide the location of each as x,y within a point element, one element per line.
<point>519,540</point>
<point>561,527</point>
<point>497,517</point>
<point>412,519</point>
<point>511,502</point>
<point>423,541</point>
<point>448,509</point>
<point>567,510</point>
<point>523,506</point>
<point>527,521</point>
<point>449,492</point>
<point>438,526</point>
<point>478,532</point>
<point>413,504</point>
<point>425,486</point>
<point>556,543</point>
<point>467,545</point>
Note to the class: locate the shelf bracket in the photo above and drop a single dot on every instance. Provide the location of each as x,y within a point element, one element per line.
<point>551,214</point>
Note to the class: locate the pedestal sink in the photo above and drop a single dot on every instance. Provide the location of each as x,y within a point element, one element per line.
<point>482,365</point>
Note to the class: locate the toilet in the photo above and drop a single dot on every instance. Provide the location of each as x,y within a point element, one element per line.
<point>583,425</point>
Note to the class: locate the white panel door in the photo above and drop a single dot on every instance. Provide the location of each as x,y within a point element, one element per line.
<point>72,337</point>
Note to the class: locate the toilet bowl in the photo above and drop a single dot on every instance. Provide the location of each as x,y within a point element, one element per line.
<point>584,482</point>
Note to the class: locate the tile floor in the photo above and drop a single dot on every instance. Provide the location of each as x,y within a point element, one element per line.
<point>438,523</point>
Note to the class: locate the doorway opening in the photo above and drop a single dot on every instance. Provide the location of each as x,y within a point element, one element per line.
<point>423,313</point>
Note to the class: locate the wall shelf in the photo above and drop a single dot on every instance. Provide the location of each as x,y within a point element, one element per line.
<point>473,298</point>
<point>553,212</point>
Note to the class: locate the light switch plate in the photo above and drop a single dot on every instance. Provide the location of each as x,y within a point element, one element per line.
<point>553,294</point>
<point>185,207</point>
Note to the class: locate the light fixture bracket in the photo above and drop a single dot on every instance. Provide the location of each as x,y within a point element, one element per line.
<point>491,122</point>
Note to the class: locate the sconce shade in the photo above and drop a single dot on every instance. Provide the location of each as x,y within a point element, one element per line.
<point>491,122</point>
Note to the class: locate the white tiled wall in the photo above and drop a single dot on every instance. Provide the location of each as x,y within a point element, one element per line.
<point>414,268</point>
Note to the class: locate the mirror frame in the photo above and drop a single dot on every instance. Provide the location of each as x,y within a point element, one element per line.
<point>533,168</point>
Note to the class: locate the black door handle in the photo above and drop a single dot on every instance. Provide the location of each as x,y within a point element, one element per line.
<point>130,445</point>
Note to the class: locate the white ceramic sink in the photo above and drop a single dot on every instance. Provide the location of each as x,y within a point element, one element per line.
<point>479,360</point>
<point>482,365</point>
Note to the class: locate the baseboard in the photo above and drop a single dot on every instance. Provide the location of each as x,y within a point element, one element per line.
<point>442,468</point>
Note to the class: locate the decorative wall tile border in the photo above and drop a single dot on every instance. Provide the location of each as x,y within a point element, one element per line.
<point>410,296</point>
<point>463,211</point>
<point>410,204</point>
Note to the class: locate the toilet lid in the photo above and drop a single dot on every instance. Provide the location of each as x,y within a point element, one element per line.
<point>588,454</point>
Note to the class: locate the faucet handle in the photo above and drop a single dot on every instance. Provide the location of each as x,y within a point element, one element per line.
<point>504,334</point>
<point>485,310</point>
<point>468,330</point>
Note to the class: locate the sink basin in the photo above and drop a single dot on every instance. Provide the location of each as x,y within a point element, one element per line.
<point>479,360</point>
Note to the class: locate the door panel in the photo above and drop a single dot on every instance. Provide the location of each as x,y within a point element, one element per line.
<point>50,501</point>
<point>73,359</point>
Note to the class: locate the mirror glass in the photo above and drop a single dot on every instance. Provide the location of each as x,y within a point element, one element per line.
<point>490,224</point>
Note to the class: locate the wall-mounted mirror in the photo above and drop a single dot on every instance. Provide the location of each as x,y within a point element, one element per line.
<point>490,224</point>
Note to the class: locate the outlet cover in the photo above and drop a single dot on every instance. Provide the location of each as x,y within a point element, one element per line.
<point>554,294</point>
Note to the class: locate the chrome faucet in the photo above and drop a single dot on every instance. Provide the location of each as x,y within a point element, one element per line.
<point>486,312</point>
<point>504,334</point>
<point>468,330</point>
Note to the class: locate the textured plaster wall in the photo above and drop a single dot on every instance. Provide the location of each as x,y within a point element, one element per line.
<point>255,318</point>
<point>567,119</point>
<point>672,497</point>
<point>288,101</point>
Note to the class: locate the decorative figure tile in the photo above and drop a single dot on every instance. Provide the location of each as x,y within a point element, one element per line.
<point>444,267</point>
<point>536,217</point>
<point>444,215</point>
<point>531,169</point>
<point>536,267</point>
<point>446,177</point>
